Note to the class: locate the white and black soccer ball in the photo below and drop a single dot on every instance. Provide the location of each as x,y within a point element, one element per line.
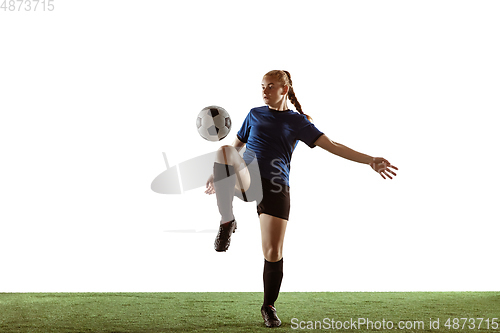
<point>213,123</point>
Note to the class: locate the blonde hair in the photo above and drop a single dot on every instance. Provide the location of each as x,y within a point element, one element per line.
<point>285,79</point>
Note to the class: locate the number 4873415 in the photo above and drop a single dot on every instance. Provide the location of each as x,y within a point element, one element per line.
<point>27,5</point>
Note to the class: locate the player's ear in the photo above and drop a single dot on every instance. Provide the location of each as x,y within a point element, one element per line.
<point>285,89</point>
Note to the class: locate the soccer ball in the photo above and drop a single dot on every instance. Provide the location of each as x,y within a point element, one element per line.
<point>213,123</point>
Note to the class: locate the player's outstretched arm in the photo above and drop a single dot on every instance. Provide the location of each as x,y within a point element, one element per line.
<point>379,164</point>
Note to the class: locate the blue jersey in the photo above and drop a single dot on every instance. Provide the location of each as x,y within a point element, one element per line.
<point>272,136</point>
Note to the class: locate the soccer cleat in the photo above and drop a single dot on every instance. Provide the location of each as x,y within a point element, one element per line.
<point>269,316</point>
<point>224,236</point>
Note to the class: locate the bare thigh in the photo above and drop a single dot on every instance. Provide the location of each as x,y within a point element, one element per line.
<point>273,235</point>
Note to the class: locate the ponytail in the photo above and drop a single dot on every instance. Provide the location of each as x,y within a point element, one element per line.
<point>286,79</point>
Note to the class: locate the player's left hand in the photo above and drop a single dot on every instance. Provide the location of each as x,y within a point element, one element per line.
<point>381,166</point>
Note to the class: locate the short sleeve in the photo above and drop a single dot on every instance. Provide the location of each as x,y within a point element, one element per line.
<point>308,133</point>
<point>244,131</point>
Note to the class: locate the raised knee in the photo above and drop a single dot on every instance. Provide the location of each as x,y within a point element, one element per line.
<point>224,155</point>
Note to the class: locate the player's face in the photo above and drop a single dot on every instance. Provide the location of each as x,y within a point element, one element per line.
<point>273,92</point>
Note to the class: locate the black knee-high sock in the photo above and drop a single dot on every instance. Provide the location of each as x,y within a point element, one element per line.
<point>273,274</point>
<point>224,182</point>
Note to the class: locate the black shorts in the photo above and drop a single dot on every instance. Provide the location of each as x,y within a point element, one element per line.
<point>275,199</point>
<point>271,197</point>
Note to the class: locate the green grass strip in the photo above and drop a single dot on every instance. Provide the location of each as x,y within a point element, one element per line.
<point>240,312</point>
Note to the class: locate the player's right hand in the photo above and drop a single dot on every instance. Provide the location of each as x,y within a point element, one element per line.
<point>210,185</point>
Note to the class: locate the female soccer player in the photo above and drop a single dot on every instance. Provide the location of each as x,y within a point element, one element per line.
<point>270,134</point>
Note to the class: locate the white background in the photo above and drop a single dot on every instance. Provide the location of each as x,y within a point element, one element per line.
<point>93,92</point>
